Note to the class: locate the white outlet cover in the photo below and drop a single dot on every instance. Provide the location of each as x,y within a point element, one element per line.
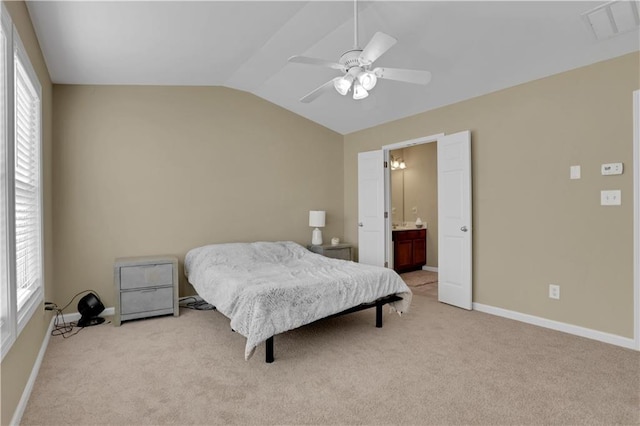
<point>554,291</point>
<point>611,197</point>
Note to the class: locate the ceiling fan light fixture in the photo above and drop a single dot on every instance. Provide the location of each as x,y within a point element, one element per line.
<point>367,79</point>
<point>359,92</point>
<point>343,84</point>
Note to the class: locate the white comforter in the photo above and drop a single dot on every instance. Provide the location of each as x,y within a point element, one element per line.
<point>267,288</point>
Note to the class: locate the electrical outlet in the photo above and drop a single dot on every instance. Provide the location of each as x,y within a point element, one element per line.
<point>554,291</point>
<point>611,197</point>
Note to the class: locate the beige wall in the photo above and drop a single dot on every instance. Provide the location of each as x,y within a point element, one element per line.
<point>532,226</point>
<point>18,362</point>
<point>160,170</point>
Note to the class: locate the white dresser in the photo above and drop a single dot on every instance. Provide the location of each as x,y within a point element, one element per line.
<point>145,287</point>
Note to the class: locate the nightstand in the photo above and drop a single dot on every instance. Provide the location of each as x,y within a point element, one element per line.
<point>339,251</point>
<point>145,287</point>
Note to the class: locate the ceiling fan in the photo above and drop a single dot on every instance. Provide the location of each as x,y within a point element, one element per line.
<point>356,64</point>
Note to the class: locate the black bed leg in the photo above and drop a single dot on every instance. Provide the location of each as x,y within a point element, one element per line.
<point>269,350</point>
<point>379,315</point>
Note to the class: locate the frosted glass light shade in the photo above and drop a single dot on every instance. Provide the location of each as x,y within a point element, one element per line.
<point>368,80</point>
<point>359,92</point>
<point>317,218</point>
<point>343,84</point>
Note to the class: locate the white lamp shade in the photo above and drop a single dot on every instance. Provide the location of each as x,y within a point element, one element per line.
<point>317,218</point>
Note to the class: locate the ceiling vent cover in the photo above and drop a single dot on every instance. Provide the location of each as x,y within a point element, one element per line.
<point>613,18</point>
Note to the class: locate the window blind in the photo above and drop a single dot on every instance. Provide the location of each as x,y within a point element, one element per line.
<point>4,241</point>
<point>27,186</point>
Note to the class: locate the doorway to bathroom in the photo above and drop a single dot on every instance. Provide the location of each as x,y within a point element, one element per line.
<point>414,216</point>
<point>428,200</point>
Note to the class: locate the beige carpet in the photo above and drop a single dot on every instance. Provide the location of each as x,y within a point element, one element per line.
<point>421,282</point>
<point>434,365</point>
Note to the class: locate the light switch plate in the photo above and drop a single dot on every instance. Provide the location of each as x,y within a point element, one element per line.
<point>611,197</point>
<point>574,172</point>
<point>612,169</point>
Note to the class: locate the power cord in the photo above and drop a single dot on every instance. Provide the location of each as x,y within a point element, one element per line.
<point>60,326</point>
<point>196,304</point>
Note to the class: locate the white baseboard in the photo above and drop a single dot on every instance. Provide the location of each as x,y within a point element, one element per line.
<point>600,336</point>
<point>75,316</point>
<point>430,268</point>
<point>26,393</point>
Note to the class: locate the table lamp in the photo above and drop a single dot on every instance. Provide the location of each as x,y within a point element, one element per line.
<point>316,220</point>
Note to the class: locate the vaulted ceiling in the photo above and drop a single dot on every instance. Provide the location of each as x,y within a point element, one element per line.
<point>471,48</point>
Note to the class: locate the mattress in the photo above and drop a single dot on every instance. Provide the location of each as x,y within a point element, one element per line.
<point>266,288</point>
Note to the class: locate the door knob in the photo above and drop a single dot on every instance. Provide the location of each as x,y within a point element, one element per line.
<point>464,229</point>
<point>360,224</point>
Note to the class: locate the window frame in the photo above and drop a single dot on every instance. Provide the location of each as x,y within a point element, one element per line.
<point>17,319</point>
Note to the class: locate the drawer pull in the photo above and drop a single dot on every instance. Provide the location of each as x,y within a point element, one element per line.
<point>149,290</point>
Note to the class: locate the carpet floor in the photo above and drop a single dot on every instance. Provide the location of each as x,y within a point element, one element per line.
<point>421,282</point>
<point>436,364</point>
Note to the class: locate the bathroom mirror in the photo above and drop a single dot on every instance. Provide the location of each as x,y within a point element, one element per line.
<point>397,190</point>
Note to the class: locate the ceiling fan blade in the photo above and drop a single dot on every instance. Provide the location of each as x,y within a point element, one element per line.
<point>315,61</point>
<point>408,76</point>
<point>328,86</point>
<point>379,43</point>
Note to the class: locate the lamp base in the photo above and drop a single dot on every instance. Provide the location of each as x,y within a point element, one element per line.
<point>316,237</point>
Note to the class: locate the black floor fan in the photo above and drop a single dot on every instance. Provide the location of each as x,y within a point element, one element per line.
<point>90,307</point>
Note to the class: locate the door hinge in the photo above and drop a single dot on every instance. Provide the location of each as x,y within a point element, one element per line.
<point>386,215</point>
<point>386,165</point>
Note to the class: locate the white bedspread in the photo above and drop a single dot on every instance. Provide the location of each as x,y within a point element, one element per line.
<point>266,288</point>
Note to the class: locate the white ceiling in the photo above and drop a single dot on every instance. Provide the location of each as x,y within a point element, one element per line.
<point>471,48</point>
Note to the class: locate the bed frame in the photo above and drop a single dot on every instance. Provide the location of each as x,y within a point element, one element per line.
<point>378,304</point>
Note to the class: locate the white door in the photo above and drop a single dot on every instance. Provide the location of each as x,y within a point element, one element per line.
<point>454,219</point>
<point>371,241</point>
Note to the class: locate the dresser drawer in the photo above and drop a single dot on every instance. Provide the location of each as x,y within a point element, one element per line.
<point>148,299</point>
<point>140,276</point>
<point>341,253</point>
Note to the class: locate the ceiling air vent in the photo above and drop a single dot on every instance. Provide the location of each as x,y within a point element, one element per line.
<point>612,18</point>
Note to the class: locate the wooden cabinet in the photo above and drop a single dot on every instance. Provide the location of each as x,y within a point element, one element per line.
<point>145,287</point>
<point>409,249</point>
<point>337,251</point>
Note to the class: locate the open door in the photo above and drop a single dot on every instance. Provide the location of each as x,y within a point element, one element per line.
<point>371,226</point>
<point>454,220</point>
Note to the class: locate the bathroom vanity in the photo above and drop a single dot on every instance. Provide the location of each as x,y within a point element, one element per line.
<point>409,249</point>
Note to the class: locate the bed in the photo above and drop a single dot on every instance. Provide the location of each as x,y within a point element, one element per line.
<point>267,288</point>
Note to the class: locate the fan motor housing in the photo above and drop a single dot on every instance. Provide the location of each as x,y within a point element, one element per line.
<point>351,58</point>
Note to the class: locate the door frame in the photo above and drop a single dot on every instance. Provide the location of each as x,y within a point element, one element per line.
<point>636,219</point>
<point>386,149</point>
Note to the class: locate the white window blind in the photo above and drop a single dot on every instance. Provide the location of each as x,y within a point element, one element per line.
<point>4,241</point>
<point>27,186</point>
<point>21,257</point>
